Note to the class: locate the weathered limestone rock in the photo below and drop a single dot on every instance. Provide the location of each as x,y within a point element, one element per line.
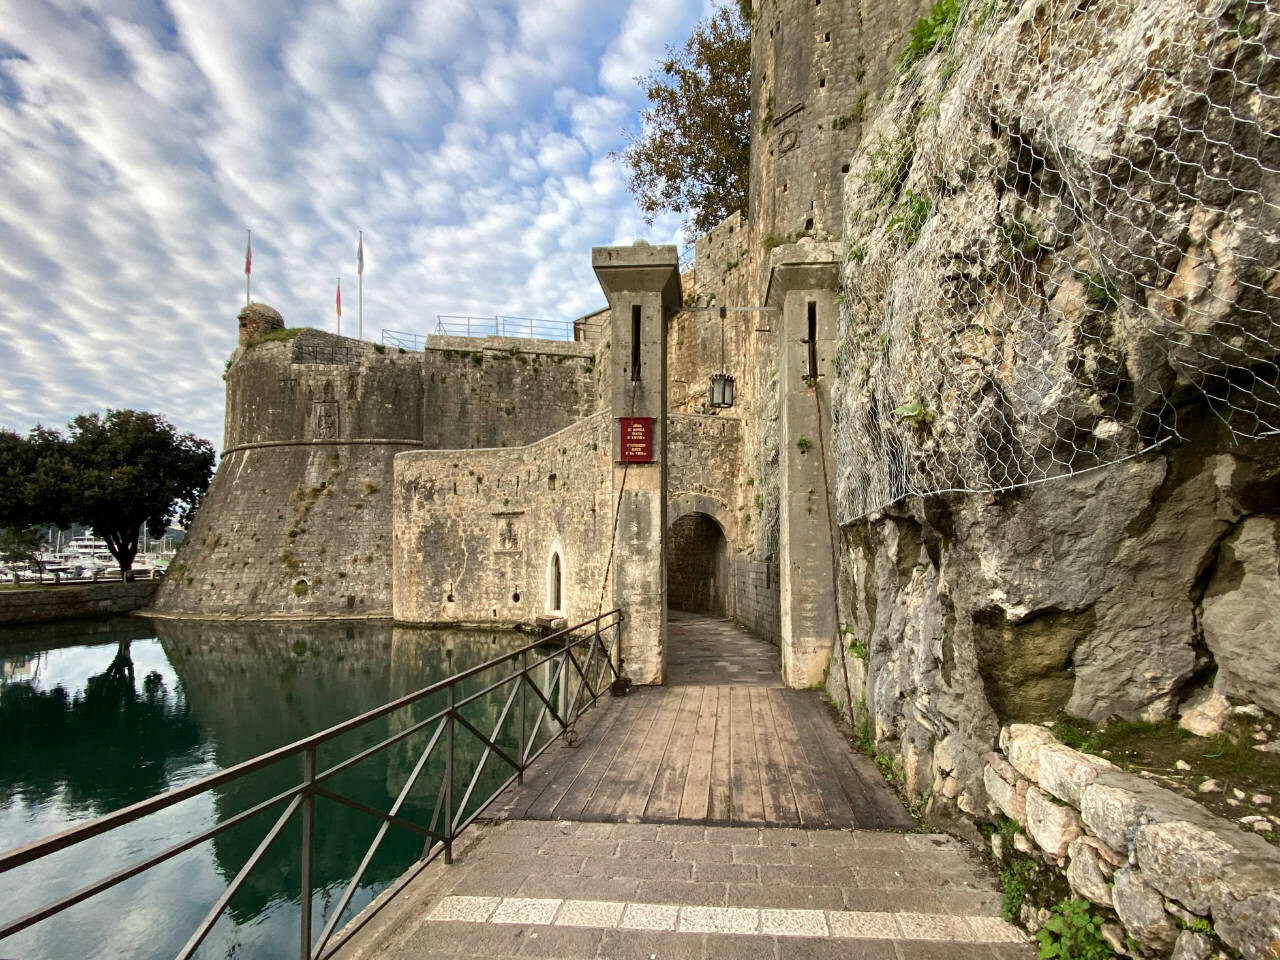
<point>1241,618</point>
<point>1002,767</point>
<point>1065,772</point>
<point>1110,812</point>
<point>1085,875</point>
<point>1052,826</point>
<point>1141,909</point>
<point>1191,946</point>
<point>1246,909</point>
<point>1010,798</point>
<point>1021,743</point>
<point>1116,804</point>
<point>1143,647</point>
<point>1205,713</point>
<point>1183,861</point>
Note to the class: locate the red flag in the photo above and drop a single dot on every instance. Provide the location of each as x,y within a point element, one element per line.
<point>248,255</point>
<point>338,301</point>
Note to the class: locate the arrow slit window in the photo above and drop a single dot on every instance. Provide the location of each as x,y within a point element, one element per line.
<point>813,341</point>
<point>635,342</point>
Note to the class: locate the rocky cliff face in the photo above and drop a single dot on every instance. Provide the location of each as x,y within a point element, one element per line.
<point>1056,408</point>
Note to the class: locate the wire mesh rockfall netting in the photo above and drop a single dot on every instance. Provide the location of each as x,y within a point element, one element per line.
<point>1061,232</point>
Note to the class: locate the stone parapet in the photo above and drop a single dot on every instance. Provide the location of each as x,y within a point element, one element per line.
<point>1152,856</point>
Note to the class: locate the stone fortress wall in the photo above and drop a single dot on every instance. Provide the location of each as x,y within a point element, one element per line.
<point>298,519</point>
<point>476,531</point>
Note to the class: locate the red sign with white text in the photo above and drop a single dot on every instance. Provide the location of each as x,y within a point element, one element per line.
<point>637,439</point>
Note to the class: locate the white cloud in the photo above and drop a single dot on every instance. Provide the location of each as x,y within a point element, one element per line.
<point>468,138</point>
<point>648,28</point>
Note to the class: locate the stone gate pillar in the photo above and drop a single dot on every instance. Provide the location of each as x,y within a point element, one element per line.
<point>643,287</point>
<point>802,287</point>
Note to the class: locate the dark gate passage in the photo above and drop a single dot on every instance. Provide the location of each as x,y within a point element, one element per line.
<point>699,575</point>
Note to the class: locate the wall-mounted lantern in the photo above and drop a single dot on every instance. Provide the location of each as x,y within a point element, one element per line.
<point>721,383</point>
<point>721,390</point>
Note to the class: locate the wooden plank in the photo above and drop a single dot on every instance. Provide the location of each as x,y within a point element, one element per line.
<point>889,808</point>
<point>833,757</point>
<point>819,799</point>
<point>775,785</point>
<point>747,801</point>
<point>874,805</point>
<point>696,799</point>
<point>668,785</point>
<point>613,781</point>
<point>568,763</point>
<point>632,723</point>
<point>514,804</point>
<point>638,784</point>
<point>720,794</point>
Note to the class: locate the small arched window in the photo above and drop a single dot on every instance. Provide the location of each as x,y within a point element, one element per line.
<point>555,586</point>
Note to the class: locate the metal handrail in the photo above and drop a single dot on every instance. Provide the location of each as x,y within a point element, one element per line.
<point>446,822</point>
<point>403,340</point>
<point>524,328</point>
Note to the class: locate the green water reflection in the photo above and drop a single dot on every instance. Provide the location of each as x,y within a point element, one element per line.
<point>98,716</point>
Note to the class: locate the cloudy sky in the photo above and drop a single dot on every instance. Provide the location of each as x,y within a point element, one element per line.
<point>469,139</point>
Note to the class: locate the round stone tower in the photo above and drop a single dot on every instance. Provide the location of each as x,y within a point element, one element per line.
<point>257,319</point>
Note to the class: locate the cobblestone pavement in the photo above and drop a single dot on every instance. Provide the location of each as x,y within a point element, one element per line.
<point>713,650</point>
<point>661,892</point>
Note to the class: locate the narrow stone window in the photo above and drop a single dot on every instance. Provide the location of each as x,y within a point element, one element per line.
<point>813,340</point>
<point>635,342</point>
<point>555,585</point>
<point>551,481</point>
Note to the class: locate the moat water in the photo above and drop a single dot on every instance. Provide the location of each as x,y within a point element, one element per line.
<point>98,715</point>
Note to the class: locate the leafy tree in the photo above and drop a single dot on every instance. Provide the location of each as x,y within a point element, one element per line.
<point>20,545</point>
<point>113,474</point>
<point>694,148</point>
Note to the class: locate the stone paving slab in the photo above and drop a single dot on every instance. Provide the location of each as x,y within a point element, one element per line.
<point>633,891</point>
<point>703,649</point>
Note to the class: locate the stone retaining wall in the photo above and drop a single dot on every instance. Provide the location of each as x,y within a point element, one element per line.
<point>73,602</point>
<point>1159,861</point>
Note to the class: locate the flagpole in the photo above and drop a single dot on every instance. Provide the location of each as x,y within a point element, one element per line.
<point>361,272</point>
<point>338,303</point>
<point>248,259</point>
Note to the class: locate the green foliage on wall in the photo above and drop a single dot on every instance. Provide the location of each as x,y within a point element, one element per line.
<point>275,336</point>
<point>930,32</point>
<point>916,208</point>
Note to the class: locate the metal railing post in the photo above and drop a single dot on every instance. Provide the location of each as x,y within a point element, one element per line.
<point>308,830</point>
<point>524,682</point>
<point>564,682</point>
<point>448,776</point>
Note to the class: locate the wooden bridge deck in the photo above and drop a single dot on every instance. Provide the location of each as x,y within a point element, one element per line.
<point>703,753</point>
